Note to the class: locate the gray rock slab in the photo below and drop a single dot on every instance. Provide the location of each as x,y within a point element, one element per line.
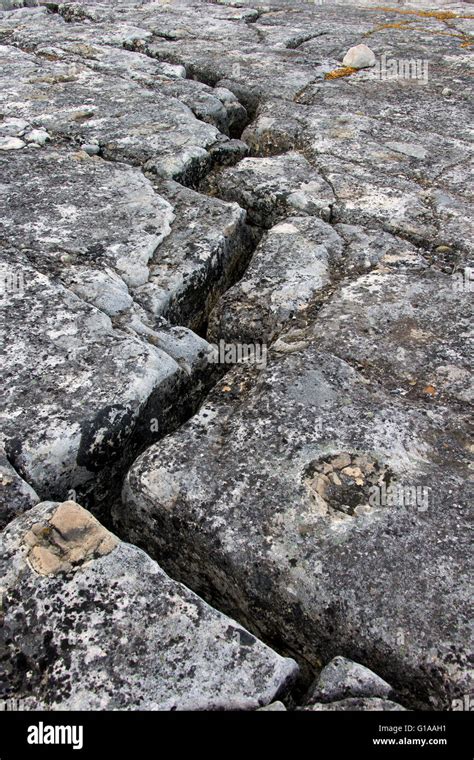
<point>80,391</point>
<point>207,249</point>
<point>316,561</point>
<point>272,188</point>
<point>290,266</point>
<point>409,331</point>
<point>295,268</point>
<point>373,704</point>
<point>98,625</point>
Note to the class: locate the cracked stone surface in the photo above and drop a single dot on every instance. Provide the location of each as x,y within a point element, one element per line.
<point>231,486</point>
<point>76,596</point>
<point>187,173</point>
<point>16,496</point>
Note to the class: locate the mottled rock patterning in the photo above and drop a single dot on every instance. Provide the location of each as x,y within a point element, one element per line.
<point>97,624</point>
<point>181,181</point>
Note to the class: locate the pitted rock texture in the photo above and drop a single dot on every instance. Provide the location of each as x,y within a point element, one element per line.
<point>105,628</point>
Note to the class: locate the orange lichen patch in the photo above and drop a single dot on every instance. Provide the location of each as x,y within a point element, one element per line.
<point>438,15</point>
<point>413,26</point>
<point>399,25</point>
<point>430,390</point>
<point>344,71</point>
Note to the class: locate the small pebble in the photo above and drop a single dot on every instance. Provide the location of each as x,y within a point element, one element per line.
<point>90,148</point>
<point>38,136</point>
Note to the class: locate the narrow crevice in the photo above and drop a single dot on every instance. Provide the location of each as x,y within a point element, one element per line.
<point>296,43</point>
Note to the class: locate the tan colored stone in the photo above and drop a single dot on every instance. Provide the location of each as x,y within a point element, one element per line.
<point>356,474</point>
<point>343,460</point>
<point>71,537</point>
<point>320,485</point>
<point>44,561</point>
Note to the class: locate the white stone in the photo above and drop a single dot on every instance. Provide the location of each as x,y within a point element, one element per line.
<point>11,143</point>
<point>359,57</point>
<point>38,136</point>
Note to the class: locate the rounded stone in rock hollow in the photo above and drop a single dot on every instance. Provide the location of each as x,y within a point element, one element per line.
<point>91,149</point>
<point>359,57</point>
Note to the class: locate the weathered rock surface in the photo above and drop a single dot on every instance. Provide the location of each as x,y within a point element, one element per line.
<point>273,188</point>
<point>342,679</point>
<point>96,624</point>
<point>83,395</point>
<point>295,269</point>
<point>289,267</point>
<point>89,354</point>
<point>409,331</point>
<point>268,491</point>
<point>174,173</point>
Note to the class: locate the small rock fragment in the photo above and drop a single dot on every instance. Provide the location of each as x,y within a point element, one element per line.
<point>359,57</point>
<point>37,136</point>
<point>343,678</point>
<point>273,707</point>
<point>91,149</point>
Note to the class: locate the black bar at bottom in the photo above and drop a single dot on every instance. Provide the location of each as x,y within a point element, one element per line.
<point>151,735</point>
